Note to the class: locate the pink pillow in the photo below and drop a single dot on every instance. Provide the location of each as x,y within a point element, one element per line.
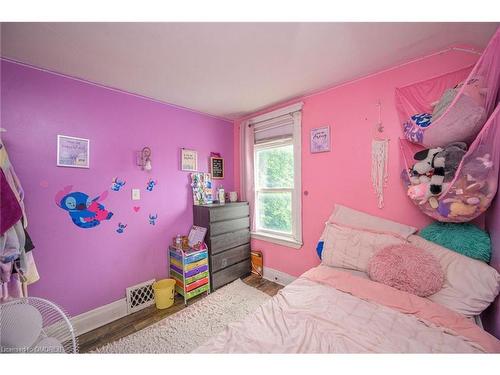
<point>407,268</point>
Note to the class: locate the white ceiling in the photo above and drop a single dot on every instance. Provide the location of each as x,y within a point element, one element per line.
<point>228,69</point>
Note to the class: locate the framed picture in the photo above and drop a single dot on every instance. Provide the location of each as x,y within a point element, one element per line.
<point>202,188</point>
<point>73,152</point>
<point>320,139</point>
<point>189,160</point>
<point>217,168</point>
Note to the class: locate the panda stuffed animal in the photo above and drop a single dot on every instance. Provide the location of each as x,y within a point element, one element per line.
<point>441,163</point>
<point>423,170</point>
<point>429,163</point>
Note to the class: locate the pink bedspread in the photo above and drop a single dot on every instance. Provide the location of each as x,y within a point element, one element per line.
<point>331,311</point>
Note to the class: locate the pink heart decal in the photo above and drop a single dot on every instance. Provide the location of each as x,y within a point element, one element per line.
<point>136,208</point>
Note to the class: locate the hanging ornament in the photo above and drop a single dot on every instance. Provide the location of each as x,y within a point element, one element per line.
<point>380,158</point>
<point>380,155</point>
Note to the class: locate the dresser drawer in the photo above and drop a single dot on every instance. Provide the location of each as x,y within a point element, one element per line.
<point>229,226</point>
<point>231,273</point>
<point>228,212</point>
<point>229,240</point>
<point>229,257</point>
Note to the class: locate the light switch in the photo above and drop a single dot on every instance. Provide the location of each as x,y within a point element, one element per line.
<point>136,194</point>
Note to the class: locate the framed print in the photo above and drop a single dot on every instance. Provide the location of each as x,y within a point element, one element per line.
<point>217,168</point>
<point>189,160</point>
<point>73,152</point>
<point>202,188</point>
<point>320,139</point>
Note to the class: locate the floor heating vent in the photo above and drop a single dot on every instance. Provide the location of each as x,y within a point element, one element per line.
<point>140,296</point>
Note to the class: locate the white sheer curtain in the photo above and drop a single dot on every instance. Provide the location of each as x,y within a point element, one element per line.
<point>247,184</point>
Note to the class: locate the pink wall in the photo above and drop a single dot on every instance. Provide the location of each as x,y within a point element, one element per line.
<point>343,175</point>
<point>82,269</point>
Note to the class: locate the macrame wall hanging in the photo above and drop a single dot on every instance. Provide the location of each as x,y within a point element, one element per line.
<point>380,158</point>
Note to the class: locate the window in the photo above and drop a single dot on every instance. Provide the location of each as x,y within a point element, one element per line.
<point>276,180</point>
<point>274,187</point>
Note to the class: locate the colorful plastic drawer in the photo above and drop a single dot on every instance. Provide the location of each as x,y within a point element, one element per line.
<point>176,275</point>
<point>189,258</point>
<point>193,293</point>
<point>194,278</point>
<point>196,257</point>
<point>179,283</point>
<point>188,266</point>
<point>190,273</point>
<point>189,280</point>
<point>195,265</point>
<point>190,270</point>
<point>176,256</point>
<point>196,284</point>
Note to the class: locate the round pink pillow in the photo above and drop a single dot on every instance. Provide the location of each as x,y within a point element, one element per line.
<point>407,268</point>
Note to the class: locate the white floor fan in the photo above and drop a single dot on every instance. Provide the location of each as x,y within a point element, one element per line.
<point>35,325</point>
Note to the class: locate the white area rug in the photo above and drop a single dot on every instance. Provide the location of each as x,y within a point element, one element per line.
<point>187,329</point>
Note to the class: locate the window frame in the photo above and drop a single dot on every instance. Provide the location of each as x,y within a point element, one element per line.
<point>294,239</point>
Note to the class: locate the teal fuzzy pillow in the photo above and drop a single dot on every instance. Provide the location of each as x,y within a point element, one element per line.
<point>464,238</point>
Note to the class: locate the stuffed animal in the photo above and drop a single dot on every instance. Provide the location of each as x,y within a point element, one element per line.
<point>419,192</point>
<point>474,88</point>
<point>485,161</point>
<point>422,194</point>
<point>461,209</point>
<point>421,172</point>
<point>453,155</point>
<point>478,169</point>
<point>441,163</point>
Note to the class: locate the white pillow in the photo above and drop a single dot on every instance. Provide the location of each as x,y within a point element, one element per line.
<point>356,219</point>
<point>470,285</point>
<point>352,248</point>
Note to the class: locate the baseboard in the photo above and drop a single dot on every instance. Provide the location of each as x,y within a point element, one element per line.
<point>93,319</point>
<point>278,277</point>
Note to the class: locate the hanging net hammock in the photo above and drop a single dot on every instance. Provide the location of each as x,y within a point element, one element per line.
<point>460,106</point>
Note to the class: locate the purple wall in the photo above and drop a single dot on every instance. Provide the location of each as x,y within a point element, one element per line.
<point>82,269</point>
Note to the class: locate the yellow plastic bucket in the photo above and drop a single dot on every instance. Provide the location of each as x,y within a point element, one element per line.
<point>164,293</point>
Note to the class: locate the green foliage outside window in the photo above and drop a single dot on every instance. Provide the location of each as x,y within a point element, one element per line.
<point>275,170</point>
<point>276,211</point>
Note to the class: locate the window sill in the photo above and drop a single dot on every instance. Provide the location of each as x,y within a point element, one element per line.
<point>284,241</point>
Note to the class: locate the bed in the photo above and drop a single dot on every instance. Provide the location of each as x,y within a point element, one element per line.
<point>331,309</point>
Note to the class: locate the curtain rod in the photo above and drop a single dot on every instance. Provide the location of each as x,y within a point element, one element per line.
<point>466,50</point>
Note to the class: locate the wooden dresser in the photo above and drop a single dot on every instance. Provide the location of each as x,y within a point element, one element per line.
<point>228,240</point>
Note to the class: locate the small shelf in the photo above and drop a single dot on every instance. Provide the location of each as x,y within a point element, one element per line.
<point>190,270</point>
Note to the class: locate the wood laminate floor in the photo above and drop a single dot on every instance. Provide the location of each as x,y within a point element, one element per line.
<point>150,315</point>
